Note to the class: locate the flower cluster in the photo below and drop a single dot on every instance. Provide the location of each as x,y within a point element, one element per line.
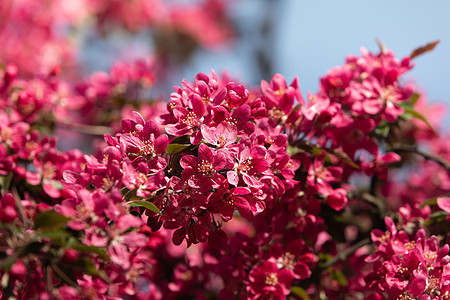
<point>225,191</point>
<point>408,268</point>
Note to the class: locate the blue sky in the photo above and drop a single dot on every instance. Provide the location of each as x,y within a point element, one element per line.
<point>311,37</point>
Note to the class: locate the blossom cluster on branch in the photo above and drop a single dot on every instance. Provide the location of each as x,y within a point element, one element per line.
<point>225,191</point>
<point>274,195</point>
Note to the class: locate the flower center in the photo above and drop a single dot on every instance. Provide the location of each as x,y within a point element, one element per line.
<point>389,93</point>
<point>272,279</point>
<point>205,167</point>
<point>246,166</point>
<point>222,141</point>
<point>228,199</point>
<point>276,114</point>
<point>429,256</point>
<point>147,149</point>
<point>383,239</point>
<point>410,245</point>
<point>49,171</point>
<point>286,261</point>
<point>405,296</point>
<point>191,119</point>
<point>141,178</point>
<point>279,92</point>
<point>5,134</point>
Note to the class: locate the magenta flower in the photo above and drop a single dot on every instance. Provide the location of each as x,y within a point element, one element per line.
<point>143,142</point>
<point>188,119</point>
<point>137,179</point>
<point>147,148</point>
<point>321,177</point>
<point>444,203</point>
<point>266,280</point>
<point>202,171</point>
<point>8,212</point>
<point>294,258</point>
<point>223,135</point>
<point>279,95</point>
<point>236,94</point>
<point>249,164</point>
<point>224,201</point>
<point>372,98</point>
<point>389,242</point>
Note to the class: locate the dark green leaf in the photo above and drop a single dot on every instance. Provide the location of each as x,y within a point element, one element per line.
<point>53,234</point>
<point>50,219</point>
<point>175,148</point>
<point>7,263</point>
<point>429,202</point>
<point>92,249</point>
<point>300,292</point>
<point>146,204</point>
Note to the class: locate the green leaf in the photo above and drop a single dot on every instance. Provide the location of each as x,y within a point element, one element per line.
<point>50,219</point>
<point>146,204</point>
<point>438,214</point>
<point>406,105</point>
<point>429,202</point>
<point>419,116</point>
<point>300,292</point>
<point>414,98</point>
<point>316,151</point>
<point>339,277</point>
<point>91,249</point>
<point>5,182</point>
<point>53,234</point>
<point>175,148</point>
<point>89,267</point>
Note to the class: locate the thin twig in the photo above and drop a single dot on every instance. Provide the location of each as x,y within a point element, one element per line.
<point>342,256</point>
<point>426,155</point>
<point>19,208</point>
<point>63,276</point>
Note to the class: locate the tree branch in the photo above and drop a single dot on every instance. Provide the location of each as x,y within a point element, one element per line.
<point>429,156</point>
<point>342,256</point>
<point>86,129</point>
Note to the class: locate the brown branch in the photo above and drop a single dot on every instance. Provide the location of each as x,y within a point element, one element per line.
<point>342,256</point>
<point>86,129</point>
<point>426,155</point>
